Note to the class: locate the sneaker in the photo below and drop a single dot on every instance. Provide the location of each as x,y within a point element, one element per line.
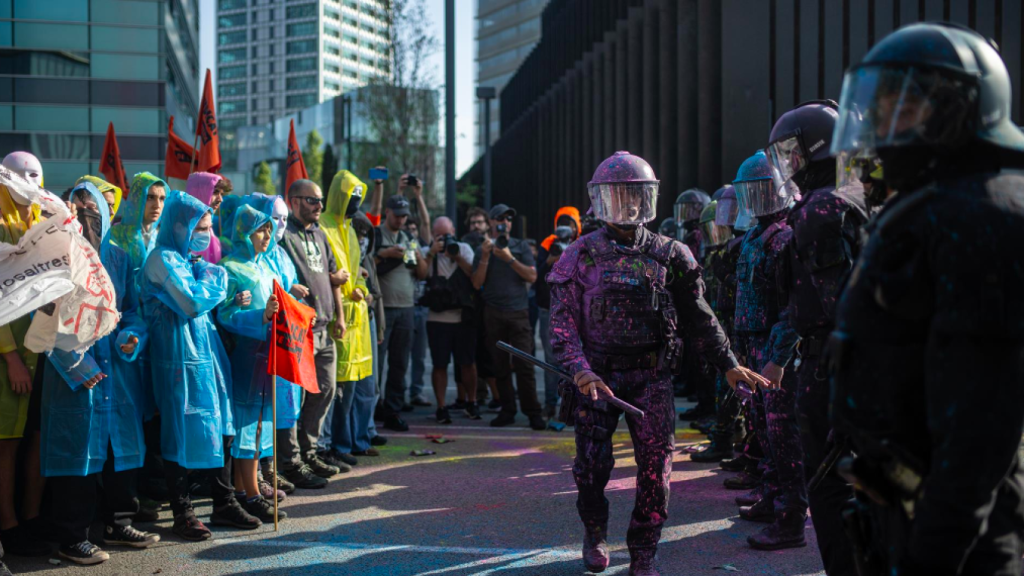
<point>267,491</point>
<point>149,511</point>
<point>503,420</point>
<point>473,411</point>
<point>494,406</point>
<point>335,458</point>
<point>233,515</point>
<point>188,527</point>
<point>85,553</point>
<point>128,536</point>
<point>304,478</point>
<point>19,542</point>
<point>367,452</point>
<point>268,467</point>
<point>284,485</point>
<point>538,423</point>
<point>443,416</point>
<point>263,510</point>
<point>378,440</point>
<point>395,422</point>
<point>421,402</point>
<point>459,404</point>
<point>325,470</point>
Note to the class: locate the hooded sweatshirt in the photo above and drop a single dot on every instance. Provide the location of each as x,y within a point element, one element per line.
<point>200,186</point>
<point>543,291</point>
<point>354,351</point>
<point>103,186</point>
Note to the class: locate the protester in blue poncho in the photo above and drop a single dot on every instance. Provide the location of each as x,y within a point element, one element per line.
<point>91,424</point>
<point>190,371</point>
<point>247,313</point>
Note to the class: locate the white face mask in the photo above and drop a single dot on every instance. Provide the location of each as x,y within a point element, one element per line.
<point>280,217</point>
<point>364,245</point>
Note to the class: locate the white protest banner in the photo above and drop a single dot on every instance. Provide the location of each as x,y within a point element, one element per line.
<point>36,271</point>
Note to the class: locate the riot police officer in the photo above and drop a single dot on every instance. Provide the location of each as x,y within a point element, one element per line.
<point>687,210</point>
<point>826,239</point>
<point>765,338</point>
<point>928,351</point>
<point>620,298</point>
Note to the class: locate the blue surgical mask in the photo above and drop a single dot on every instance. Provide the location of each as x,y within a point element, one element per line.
<point>200,241</point>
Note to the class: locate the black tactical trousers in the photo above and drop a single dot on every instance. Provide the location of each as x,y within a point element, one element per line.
<point>653,444</point>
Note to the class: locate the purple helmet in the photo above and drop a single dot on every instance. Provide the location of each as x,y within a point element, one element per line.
<point>624,190</point>
<point>728,207</point>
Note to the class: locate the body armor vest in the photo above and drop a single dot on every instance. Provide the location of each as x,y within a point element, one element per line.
<point>757,292</point>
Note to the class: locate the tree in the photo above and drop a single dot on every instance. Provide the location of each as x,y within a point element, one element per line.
<point>313,157</point>
<point>330,168</point>
<point>400,105</point>
<point>263,181</point>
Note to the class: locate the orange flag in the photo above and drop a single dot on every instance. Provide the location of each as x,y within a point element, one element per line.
<point>178,160</point>
<point>291,356</point>
<point>296,167</point>
<point>110,164</point>
<point>206,130</point>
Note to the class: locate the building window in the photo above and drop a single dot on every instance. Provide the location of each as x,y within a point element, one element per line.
<point>232,106</point>
<point>332,68</point>
<point>231,38</point>
<point>332,86</point>
<point>255,51</point>
<point>352,22</point>
<point>301,83</point>
<point>229,72</point>
<point>271,68</point>
<point>271,88</point>
<point>232,20</point>
<point>351,4</point>
<point>332,32</point>
<point>300,64</point>
<point>332,15</point>
<point>228,56</point>
<point>255,70</point>
<point>300,100</point>
<point>271,102</point>
<point>301,46</point>
<point>255,104</point>
<point>301,11</point>
<point>333,50</point>
<point>270,32</point>
<point>301,29</point>
<point>225,90</point>
<point>352,39</point>
<point>230,4</point>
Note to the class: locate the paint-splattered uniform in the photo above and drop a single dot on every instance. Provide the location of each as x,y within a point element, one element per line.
<point>929,357</point>
<point>721,283</point>
<point>609,303</point>
<point>763,335</point>
<point>825,243</point>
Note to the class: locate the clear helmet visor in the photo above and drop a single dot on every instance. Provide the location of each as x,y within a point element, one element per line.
<point>624,203</point>
<point>715,234</point>
<point>859,167</point>
<point>763,197</point>
<point>786,158</point>
<point>686,211</point>
<point>891,107</point>
<point>744,221</point>
<point>727,212</point>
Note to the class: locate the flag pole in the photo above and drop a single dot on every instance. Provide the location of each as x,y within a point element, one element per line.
<point>273,399</point>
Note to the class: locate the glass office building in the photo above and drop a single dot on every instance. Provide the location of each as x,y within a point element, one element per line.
<point>506,32</point>
<point>69,67</point>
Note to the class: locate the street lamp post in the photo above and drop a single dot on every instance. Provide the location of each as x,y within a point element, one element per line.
<point>449,120</point>
<point>346,108</point>
<point>487,93</point>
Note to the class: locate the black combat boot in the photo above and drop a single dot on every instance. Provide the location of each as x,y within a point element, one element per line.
<point>595,549</point>
<point>761,511</point>
<point>641,563</point>
<point>718,450</point>
<point>737,464</point>
<point>786,532</point>
<point>745,481</point>
<point>752,497</point>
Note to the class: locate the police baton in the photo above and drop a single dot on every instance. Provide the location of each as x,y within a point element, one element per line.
<point>624,406</point>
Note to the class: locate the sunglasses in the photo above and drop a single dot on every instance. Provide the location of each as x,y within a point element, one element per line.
<point>505,218</point>
<point>311,200</point>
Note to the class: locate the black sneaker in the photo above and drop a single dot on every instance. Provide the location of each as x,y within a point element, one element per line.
<point>378,440</point>
<point>538,423</point>
<point>503,420</point>
<point>304,478</point>
<point>85,553</point>
<point>284,485</point>
<point>443,416</point>
<point>457,405</point>
<point>494,406</point>
<point>128,536</point>
<point>188,527</point>
<point>263,510</point>
<point>323,469</point>
<point>473,411</point>
<point>394,422</point>
<point>335,458</point>
<point>234,515</point>
<point>19,542</point>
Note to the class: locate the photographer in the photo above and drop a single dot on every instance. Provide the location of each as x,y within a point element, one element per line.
<point>502,267</point>
<point>450,328</point>
<point>399,264</point>
<point>567,230</point>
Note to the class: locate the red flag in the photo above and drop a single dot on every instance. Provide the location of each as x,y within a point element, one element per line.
<point>178,160</point>
<point>110,164</point>
<point>206,129</point>
<point>296,167</point>
<point>291,357</point>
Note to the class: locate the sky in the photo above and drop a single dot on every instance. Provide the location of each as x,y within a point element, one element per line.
<point>465,48</point>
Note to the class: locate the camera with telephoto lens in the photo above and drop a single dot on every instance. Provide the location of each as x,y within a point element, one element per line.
<point>451,245</point>
<point>409,258</point>
<point>502,240</point>
<point>563,235</point>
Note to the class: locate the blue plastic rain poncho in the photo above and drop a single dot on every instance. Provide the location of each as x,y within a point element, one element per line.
<point>289,396</point>
<point>78,423</point>
<point>190,370</point>
<point>250,381</point>
<point>224,222</point>
<point>123,252</point>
